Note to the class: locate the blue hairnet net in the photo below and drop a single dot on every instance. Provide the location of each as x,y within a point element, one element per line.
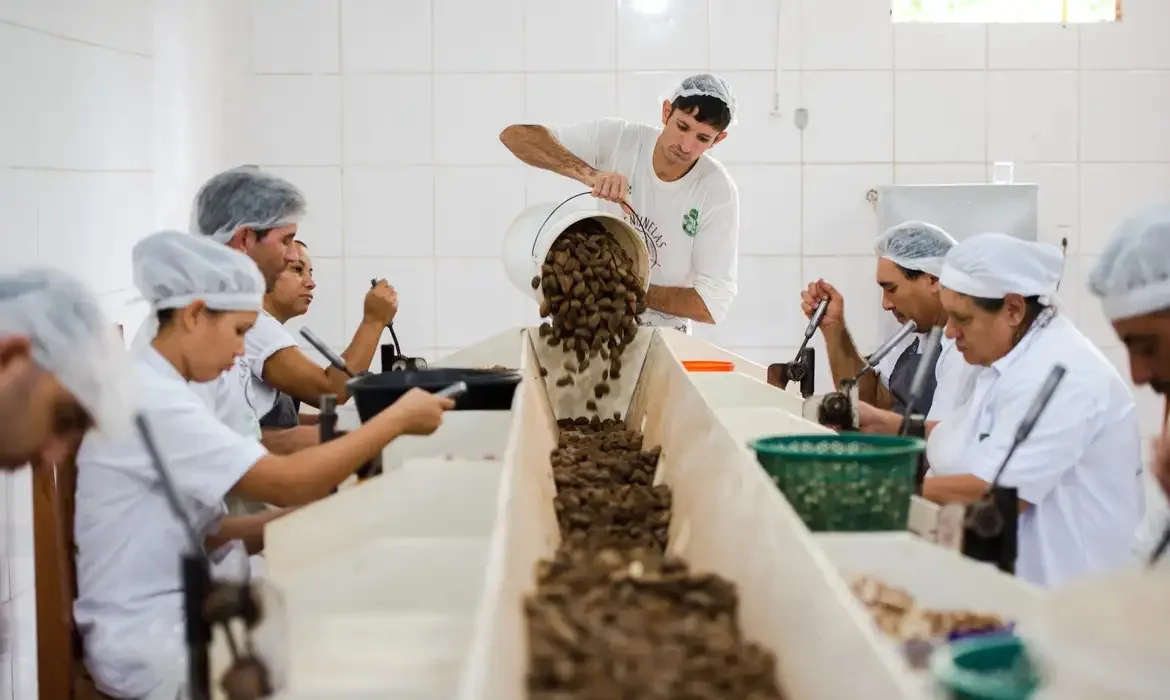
<point>707,85</point>
<point>173,269</point>
<point>915,245</point>
<point>72,339</point>
<point>245,197</point>
<point>1132,276</point>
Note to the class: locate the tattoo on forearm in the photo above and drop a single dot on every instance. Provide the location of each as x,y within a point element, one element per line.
<point>536,146</point>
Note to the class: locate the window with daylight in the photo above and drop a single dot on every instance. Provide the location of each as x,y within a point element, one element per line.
<point>1006,11</point>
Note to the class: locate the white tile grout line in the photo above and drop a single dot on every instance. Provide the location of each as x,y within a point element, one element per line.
<point>341,155</point>
<point>435,286</point>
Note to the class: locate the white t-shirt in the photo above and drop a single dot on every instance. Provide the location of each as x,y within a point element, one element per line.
<point>239,396</point>
<point>950,372</point>
<point>265,339</point>
<point>129,606</point>
<point>692,224</point>
<point>1080,468</point>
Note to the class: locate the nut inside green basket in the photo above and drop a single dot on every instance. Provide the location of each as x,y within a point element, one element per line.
<point>847,482</point>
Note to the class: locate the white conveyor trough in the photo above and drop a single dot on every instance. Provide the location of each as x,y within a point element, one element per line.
<point>411,585</point>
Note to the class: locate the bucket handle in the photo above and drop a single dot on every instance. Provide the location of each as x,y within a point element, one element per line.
<point>651,250</point>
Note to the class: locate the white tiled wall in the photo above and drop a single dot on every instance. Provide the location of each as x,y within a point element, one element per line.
<point>75,192</point>
<point>387,112</point>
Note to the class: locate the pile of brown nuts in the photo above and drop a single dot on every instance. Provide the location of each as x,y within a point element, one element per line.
<point>898,615</point>
<point>593,297</point>
<point>613,616</point>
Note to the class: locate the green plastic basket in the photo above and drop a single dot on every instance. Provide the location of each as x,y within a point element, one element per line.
<point>993,668</point>
<point>844,483</point>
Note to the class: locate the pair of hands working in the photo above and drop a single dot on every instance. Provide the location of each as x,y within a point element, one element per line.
<point>419,412</point>
<point>871,419</point>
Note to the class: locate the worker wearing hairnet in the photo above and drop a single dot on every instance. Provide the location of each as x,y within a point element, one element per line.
<point>682,200</point>
<point>129,607</point>
<point>1077,473</point>
<point>62,368</point>
<point>1132,280</point>
<point>910,258</point>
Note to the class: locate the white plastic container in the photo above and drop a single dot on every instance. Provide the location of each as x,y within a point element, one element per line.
<point>1105,637</point>
<point>535,229</point>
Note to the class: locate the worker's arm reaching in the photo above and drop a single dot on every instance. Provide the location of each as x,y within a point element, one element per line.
<point>307,475</point>
<point>291,371</point>
<point>844,359</point>
<point>581,158</point>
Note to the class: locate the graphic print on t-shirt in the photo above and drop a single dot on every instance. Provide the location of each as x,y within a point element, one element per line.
<point>649,230</point>
<point>690,223</point>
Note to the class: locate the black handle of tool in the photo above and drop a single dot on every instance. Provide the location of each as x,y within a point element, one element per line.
<point>168,484</point>
<point>1163,545</point>
<point>389,327</point>
<point>321,347</point>
<point>921,374</point>
<point>195,572</point>
<point>814,322</point>
<point>1055,376</point>
<point>808,359</point>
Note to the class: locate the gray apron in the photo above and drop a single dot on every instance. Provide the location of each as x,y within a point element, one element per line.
<point>284,414</point>
<point>903,375</point>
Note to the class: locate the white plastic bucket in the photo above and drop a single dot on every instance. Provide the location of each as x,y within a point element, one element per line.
<point>535,229</point>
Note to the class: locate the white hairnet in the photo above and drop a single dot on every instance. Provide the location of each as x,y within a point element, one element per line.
<point>72,339</point>
<point>915,245</point>
<point>707,85</point>
<point>245,197</point>
<point>993,265</point>
<point>1132,276</point>
<point>173,269</point>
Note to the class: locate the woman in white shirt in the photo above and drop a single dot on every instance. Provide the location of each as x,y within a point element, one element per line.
<point>290,298</point>
<point>130,607</point>
<point>1078,473</point>
<point>274,363</point>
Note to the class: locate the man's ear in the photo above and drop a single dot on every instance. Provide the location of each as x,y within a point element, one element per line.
<point>242,239</point>
<point>722,135</point>
<point>14,347</point>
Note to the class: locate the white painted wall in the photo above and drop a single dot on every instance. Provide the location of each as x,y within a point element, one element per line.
<point>111,114</point>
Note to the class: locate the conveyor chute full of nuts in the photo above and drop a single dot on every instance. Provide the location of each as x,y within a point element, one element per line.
<point>613,616</point>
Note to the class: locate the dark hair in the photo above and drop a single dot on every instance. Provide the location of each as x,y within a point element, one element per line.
<point>301,243</point>
<point>910,274</point>
<point>708,110</point>
<point>165,316</point>
<point>1032,309</point>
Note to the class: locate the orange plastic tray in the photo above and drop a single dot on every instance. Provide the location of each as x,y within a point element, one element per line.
<point>708,366</point>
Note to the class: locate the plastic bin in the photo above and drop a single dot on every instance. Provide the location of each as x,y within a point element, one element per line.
<point>708,366</point>
<point>487,390</point>
<point>844,483</point>
<point>986,668</point>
